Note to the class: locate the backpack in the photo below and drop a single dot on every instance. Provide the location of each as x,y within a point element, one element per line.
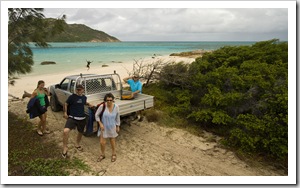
<point>101,113</point>
<point>92,112</point>
<point>95,108</point>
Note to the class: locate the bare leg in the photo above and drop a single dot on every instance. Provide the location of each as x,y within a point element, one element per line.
<point>65,139</point>
<point>102,144</point>
<point>113,145</point>
<point>79,136</point>
<point>43,120</point>
<point>140,115</point>
<point>40,125</point>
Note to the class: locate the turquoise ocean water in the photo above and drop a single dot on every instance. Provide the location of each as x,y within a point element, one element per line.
<point>71,56</point>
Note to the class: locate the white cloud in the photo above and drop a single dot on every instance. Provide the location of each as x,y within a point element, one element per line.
<point>182,24</point>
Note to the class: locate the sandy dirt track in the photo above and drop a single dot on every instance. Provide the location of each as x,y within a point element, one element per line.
<point>148,149</point>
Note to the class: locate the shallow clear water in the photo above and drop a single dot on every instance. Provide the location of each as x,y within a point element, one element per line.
<point>71,56</point>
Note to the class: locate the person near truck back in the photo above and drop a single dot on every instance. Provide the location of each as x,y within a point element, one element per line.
<point>75,115</point>
<point>41,93</point>
<point>135,87</point>
<point>109,125</point>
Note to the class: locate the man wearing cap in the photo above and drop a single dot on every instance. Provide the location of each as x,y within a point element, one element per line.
<point>74,113</point>
<point>136,87</point>
<point>134,83</point>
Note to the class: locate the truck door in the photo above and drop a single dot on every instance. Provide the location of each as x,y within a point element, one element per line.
<point>63,92</point>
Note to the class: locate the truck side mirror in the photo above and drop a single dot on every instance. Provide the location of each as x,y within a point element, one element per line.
<point>57,86</point>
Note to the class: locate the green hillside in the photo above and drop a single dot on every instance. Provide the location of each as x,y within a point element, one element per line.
<point>82,33</point>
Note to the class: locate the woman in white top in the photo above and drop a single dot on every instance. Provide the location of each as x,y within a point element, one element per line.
<point>109,125</point>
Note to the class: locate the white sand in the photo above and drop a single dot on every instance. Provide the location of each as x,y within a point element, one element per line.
<point>29,83</point>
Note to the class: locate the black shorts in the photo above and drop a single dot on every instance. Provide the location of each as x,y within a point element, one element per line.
<point>43,110</point>
<point>73,123</point>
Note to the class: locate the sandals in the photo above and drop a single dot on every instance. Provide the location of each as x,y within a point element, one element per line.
<point>64,155</point>
<point>113,158</point>
<point>79,148</point>
<point>39,132</point>
<point>46,132</point>
<point>100,158</point>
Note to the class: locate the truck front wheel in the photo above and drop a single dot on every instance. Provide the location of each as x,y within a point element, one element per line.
<point>55,107</point>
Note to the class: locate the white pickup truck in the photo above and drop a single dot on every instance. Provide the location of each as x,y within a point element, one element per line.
<point>96,86</point>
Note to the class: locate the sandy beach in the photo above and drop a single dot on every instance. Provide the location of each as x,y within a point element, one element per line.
<point>28,83</point>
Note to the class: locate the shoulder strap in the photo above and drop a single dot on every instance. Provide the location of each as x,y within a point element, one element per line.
<point>103,108</point>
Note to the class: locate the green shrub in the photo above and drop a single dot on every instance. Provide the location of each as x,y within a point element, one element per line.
<point>153,115</point>
<point>242,92</point>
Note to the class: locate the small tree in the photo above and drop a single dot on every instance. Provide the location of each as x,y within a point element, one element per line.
<point>28,25</point>
<point>148,72</point>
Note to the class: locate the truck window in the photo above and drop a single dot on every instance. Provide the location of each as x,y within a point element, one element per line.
<point>106,84</point>
<point>72,85</point>
<point>110,84</point>
<point>64,84</point>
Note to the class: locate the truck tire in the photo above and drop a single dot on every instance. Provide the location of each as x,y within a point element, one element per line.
<point>55,107</point>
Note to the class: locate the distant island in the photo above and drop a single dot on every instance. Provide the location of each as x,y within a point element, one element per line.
<point>81,33</point>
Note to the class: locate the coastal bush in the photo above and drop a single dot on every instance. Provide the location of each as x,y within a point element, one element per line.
<point>241,92</point>
<point>153,115</point>
<point>175,75</point>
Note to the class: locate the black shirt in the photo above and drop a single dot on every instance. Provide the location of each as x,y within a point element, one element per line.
<point>76,105</point>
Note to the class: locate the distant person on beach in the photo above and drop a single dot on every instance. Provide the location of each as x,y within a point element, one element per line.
<point>136,87</point>
<point>41,94</point>
<point>75,115</point>
<point>109,125</point>
<point>88,64</point>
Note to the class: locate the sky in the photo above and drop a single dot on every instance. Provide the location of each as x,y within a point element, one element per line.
<point>181,24</point>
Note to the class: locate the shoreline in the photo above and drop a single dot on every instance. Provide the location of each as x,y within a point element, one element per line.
<point>29,82</point>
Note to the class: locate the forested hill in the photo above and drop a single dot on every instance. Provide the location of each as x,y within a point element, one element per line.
<point>81,33</point>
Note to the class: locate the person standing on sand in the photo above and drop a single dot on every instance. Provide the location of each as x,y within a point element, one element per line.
<point>109,125</point>
<point>136,87</point>
<point>74,113</point>
<point>41,93</point>
<point>88,64</point>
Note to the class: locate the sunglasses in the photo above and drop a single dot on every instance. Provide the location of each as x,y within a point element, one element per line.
<point>109,100</point>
